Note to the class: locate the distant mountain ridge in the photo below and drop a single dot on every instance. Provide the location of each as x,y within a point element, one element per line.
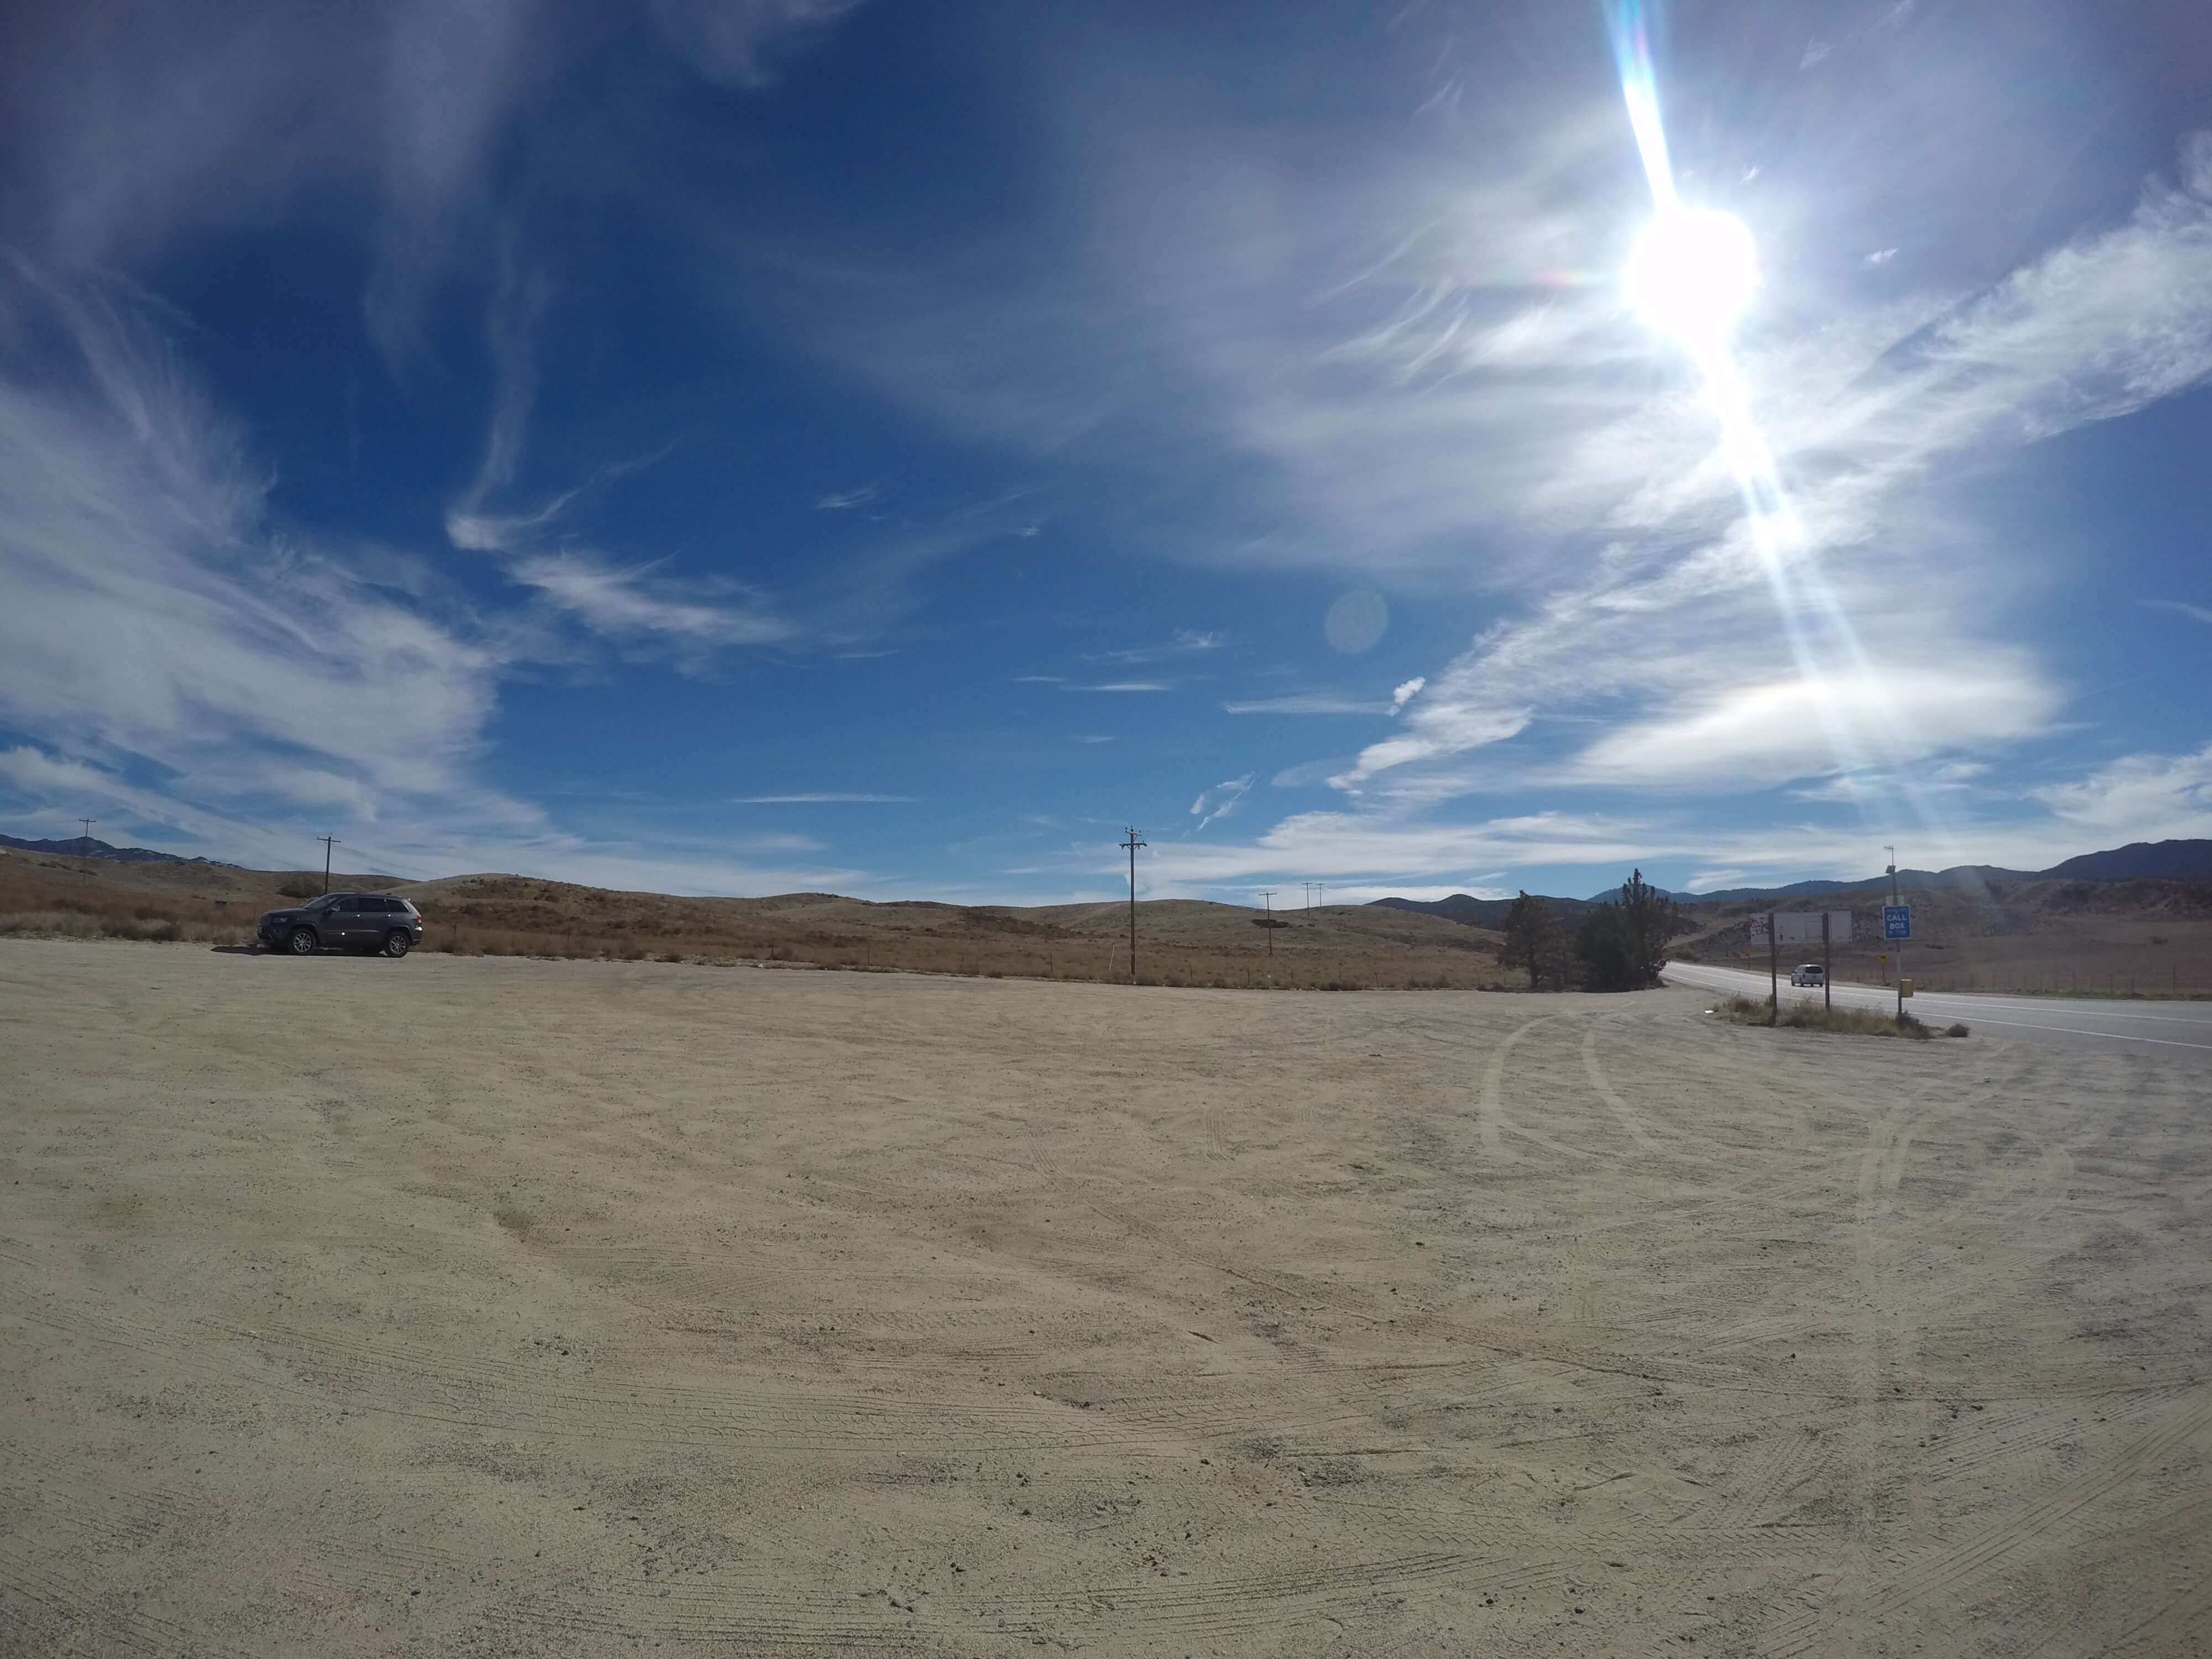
<point>91,847</point>
<point>2142,860</point>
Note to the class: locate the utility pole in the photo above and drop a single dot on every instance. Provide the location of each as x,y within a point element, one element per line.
<point>1321,892</point>
<point>88,823</point>
<point>328,842</point>
<point>1133,844</point>
<point>1267,897</point>
<point>1309,887</point>
<point>1893,899</point>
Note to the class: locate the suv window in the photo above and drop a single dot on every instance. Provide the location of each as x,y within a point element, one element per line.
<point>327,900</point>
<point>370,902</point>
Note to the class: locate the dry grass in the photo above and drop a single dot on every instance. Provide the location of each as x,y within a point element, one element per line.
<point>1811,1016</point>
<point>1181,943</point>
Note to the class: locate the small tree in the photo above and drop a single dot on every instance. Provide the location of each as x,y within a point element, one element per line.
<point>1529,938</point>
<point>1652,919</point>
<point>1607,951</point>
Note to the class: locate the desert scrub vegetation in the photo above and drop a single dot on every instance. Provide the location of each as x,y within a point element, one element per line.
<point>48,916</point>
<point>1851,1021</point>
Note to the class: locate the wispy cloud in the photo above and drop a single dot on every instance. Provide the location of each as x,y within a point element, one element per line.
<point>737,44</point>
<point>2181,608</point>
<point>1406,691</point>
<point>637,603</point>
<point>1219,802</point>
<point>821,797</point>
<point>1857,415</point>
<point>1122,685</point>
<point>132,515</point>
<point>1309,702</point>
<point>841,500</point>
<point>1185,642</point>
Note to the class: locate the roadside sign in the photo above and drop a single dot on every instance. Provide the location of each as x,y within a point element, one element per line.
<point>1803,927</point>
<point>1896,921</point>
<point>1759,929</point>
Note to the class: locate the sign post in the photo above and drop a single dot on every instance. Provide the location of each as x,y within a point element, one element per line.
<point>1896,924</point>
<point>1827,967</point>
<point>1773,975</point>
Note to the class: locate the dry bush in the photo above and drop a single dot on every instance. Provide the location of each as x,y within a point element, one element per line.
<point>1811,1016</point>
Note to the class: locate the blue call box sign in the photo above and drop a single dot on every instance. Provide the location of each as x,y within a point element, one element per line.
<point>1896,921</point>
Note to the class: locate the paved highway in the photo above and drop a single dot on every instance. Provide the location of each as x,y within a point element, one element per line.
<point>2180,1030</point>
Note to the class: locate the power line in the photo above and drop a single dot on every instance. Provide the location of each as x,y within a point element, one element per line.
<point>1133,844</point>
<point>328,842</point>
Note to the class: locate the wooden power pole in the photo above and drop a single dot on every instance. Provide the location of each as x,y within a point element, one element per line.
<point>328,842</point>
<point>1267,897</point>
<point>1133,844</point>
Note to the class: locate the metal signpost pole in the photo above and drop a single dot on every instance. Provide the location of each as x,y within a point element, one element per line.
<point>1773,974</point>
<point>1133,844</point>
<point>1827,967</point>
<point>1900,943</point>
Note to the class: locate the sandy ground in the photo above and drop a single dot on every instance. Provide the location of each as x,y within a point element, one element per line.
<point>502,1307</point>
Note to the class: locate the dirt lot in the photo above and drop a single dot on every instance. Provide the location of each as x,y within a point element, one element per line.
<point>508,1307</point>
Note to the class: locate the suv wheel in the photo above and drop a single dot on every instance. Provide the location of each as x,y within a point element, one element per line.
<point>396,943</point>
<point>302,942</point>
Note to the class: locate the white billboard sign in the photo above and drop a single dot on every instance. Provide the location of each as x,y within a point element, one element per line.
<point>1803,927</point>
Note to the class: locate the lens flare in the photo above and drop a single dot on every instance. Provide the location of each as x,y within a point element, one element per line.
<point>1691,276</point>
<point>1693,272</point>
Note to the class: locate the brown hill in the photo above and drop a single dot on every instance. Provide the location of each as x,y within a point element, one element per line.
<point>1180,941</point>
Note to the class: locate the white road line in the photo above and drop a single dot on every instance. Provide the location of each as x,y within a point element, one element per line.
<point>2014,1024</point>
<point>1974,1000</point>
<point>2116,1036</point>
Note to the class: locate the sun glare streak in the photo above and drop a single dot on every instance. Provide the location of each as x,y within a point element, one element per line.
<point>1692,273</point>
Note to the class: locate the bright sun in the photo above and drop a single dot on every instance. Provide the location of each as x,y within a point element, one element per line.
<point>1693,272</point>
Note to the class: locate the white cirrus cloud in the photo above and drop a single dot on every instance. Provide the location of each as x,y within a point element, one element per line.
<point>1308,702</point>
<point>2181,608</point>
<point>1219,802</point>
<point>153,609</point>
<point>823,798</point>
<point>1776,731</point>
<point>635,602</point>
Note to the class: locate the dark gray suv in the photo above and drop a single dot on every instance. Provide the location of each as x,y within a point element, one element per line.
<point>360,921</point>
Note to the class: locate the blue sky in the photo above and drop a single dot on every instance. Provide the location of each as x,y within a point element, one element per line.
<point>763,445</point>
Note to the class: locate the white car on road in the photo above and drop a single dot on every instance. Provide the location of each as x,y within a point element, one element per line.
<point>1808,973</point>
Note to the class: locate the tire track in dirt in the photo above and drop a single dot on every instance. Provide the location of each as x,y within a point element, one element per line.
<point>1940,1570</point>
<point>2189,1615</point>
<point>1631,1121</point>
<point>69,1598</point>
<point>761,1617</point>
